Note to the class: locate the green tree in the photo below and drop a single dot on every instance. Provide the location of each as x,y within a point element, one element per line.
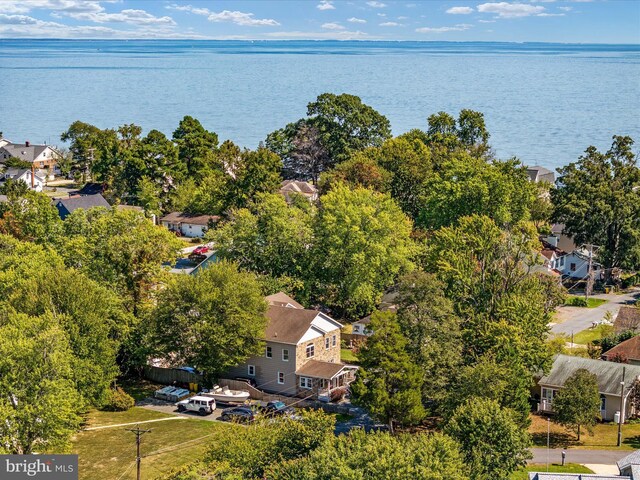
<point>269,237</point>
<point>196,146</point>
<point>258,171</point>
<point>493,444</point>
<point>472,131</point>
<point>577,404</point>
<point>301,149</point>
<point>362,242</point>
<point>427,320</point>
<point>35,282</point>
<point>598,200</point>
<point>213,320</point>
<point>39,406</point>
<point>14,188</point>
<point>388,383</point>
<point>121,249</point>
<point>88,145</point>
<point>14,162</point>
<point>360,171</point>
<point>346,124</point>
<point>377,456</point>
<point>30,216</point>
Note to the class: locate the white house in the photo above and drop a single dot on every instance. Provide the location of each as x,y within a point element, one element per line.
<point>34,181</point>
<point>191,226</point>
<point>576,265</point>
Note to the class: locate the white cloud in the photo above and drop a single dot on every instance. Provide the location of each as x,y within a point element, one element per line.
<point>356,20</point>
<point>135,17</point>
<point>23,26</point>
<point>403,18</point>
<point>487,21</point>
<point>332,26</point>
<point>550,15</point>
<point>510,10</point>
<point>375,4</point>
<point>239,18</point>
<point>460,10</point>
<point>382,14</point>
<point>566,9</point>
<point>391,24</point>
<point>25,6</point>
<point>325,5</point>
<point>461,27</point>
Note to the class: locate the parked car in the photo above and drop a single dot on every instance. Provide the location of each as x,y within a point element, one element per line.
<point>276,408</point>
<point>201,250</point>
<point>202,405</point>
<point>238,414</point>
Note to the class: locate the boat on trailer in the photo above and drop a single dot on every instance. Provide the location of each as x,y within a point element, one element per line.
<point>226,395</point>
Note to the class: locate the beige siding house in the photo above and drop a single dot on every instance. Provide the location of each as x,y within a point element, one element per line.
<point>301,355</point>
<point>609,376</point>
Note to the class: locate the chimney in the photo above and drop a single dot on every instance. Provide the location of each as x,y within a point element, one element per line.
<point>26,144</point>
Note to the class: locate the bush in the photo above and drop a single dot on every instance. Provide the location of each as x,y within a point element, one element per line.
<point>577,302</point>
<point>118,401</point>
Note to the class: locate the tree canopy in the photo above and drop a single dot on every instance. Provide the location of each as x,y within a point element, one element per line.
<point>577,404</point>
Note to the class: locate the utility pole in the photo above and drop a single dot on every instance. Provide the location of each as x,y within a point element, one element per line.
<point>138,433</point>
<point>621,418</point>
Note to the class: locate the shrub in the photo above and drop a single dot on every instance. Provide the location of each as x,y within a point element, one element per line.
<point>118,401</point>
<point>577,302</point>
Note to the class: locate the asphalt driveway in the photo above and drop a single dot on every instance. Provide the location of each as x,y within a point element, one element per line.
<point>577,319</point>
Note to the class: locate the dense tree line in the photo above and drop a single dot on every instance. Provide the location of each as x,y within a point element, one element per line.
<point>431,215</point>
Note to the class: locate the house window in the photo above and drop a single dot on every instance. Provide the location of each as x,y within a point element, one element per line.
<point>356,329</point>
<point>334,340</point>
<point>269,352</point>
<point>281,378</point>
<point>327,343</point>
<point>572,267</point>
<point>311,350</point>
<point>603,402</point>
<point>548,394</point>
<point>305,382</point>
<point>285,355</point>
<point>251,370</point>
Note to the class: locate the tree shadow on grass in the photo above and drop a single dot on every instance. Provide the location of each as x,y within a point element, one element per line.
<point>556,440</point>
<point>634,441</point>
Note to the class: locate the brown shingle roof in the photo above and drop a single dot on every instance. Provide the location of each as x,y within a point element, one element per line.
<point>281,299</point>
<point>628,319</point>
<point>320,369</point>
<point>180,217</point>
<point>629,349</point>
<point>288,325</point>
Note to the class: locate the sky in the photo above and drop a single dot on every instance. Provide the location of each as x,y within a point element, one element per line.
<point>567,21</point>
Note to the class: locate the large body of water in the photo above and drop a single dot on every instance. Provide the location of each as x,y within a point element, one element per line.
<point>544,103</point>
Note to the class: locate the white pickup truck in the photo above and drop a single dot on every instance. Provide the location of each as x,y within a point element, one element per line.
<point>199,404</point>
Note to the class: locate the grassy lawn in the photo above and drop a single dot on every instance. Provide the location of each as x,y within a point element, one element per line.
<point>604,436</point>
<point>139,388</point>
<point>591,302</point>
<point>106,454</point>
<point>590,334</point>
<point>555,468</point>
<point>348,356</point>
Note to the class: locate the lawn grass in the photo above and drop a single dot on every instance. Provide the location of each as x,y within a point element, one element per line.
<point>604,437</point>
<point>590,334</point>
<point>555,468</point>
<point>347,356</point>
<point>106,454</point>
<point>139,388</point>
<point>591,302</point>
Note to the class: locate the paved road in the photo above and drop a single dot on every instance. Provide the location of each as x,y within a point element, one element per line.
<point>577,319</point>
<point>603,457</point>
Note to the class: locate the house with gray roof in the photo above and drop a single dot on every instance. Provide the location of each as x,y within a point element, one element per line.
<point>540,174</point>
<point>41,156</point>
<point>66,206</point>
<point>609,375</point>
<point>302,353</point>
<point>288,188</point>
<point>630,465</point>
<point>34,180</point>
<point>192,226</point>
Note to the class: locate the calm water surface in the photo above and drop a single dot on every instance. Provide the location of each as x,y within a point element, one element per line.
<point>544,103</point>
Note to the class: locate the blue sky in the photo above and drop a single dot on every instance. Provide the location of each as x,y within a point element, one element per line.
<point>570,21</point>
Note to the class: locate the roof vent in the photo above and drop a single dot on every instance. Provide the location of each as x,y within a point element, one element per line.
<point>26,144</point>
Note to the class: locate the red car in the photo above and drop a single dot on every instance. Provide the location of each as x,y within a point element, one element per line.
<point>201,250</point>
